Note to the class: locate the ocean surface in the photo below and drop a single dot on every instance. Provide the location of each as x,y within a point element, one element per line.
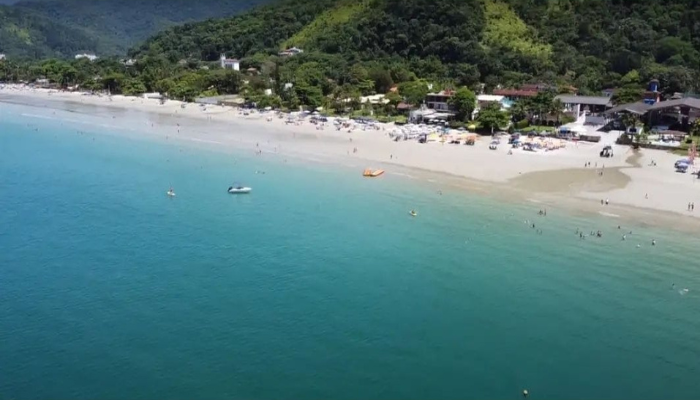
<point>317,285</point>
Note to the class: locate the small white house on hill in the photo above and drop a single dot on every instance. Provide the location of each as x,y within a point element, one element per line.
<point>230,63</point>
<point>90,57</point>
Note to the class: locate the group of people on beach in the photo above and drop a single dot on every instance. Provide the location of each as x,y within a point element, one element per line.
<point>588,164</point>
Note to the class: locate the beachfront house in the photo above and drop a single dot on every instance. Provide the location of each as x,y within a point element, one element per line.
<point>483,99</point>
<point>2,57</point>
<point>229,63</point>
<point>89,56</point>
<point>676,114</point>
<point>403,108</point>
<point>439,101</point>
<point>291,52</point>
<point>128,62</point>
<point>576,105</point>
<point>588,110</point>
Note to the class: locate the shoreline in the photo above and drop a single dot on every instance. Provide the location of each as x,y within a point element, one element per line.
<point>637,192</point>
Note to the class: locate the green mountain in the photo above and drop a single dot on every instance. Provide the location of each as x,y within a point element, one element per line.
<point>588,44</point>
<point>42,28</point>
<point>29,35</point>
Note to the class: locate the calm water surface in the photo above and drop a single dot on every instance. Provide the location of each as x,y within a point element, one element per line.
<point>318,285</point>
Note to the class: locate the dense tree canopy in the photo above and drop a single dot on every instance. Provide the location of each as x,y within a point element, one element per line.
<point>492,117</point>
<point>28,35</point>
<point>463,101</point>
<point>590,45</point>
<point>411,47</point>
<point>61,28</point>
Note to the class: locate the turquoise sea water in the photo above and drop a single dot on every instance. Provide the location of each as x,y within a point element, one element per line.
<point>318,285</point>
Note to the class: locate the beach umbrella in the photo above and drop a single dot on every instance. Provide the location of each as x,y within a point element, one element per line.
<point>471,127</point>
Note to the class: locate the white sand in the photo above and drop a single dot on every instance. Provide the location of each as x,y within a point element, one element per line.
<point>543,175</point>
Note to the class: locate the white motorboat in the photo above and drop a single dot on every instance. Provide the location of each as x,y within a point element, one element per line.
<point>170,193</point>
<point>239,189</point>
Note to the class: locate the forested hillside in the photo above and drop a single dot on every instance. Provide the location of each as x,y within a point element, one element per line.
<point>354,48</point>
<point>107,27</point>
<point>589,44</point>
<point>28,35</point>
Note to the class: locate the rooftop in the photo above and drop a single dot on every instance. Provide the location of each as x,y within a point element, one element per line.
<point>639,108</point>
<point>447,93</point>
<point>515,93</point>
<point>489,97</point>
<point>588,100</point>
<point>686,102</point>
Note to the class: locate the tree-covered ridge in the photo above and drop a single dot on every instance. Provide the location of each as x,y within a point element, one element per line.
<point>590,45</point>
<point>262,29</point>
<point>26,34</point>
<point>598,42</point>
<point>62,27</point>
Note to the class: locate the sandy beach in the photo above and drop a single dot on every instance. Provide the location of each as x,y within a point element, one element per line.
<point>630,183</point>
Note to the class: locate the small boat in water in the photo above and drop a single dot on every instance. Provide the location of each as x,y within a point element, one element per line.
<point>170,192</point>
<point>370,173</point>
<point>413,213</point>
<point>237,189</point>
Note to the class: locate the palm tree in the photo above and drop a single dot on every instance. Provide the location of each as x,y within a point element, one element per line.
<point>629,120</point>
<point>556,108</point>
<point>695,128</point>
<point>519,110</point>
